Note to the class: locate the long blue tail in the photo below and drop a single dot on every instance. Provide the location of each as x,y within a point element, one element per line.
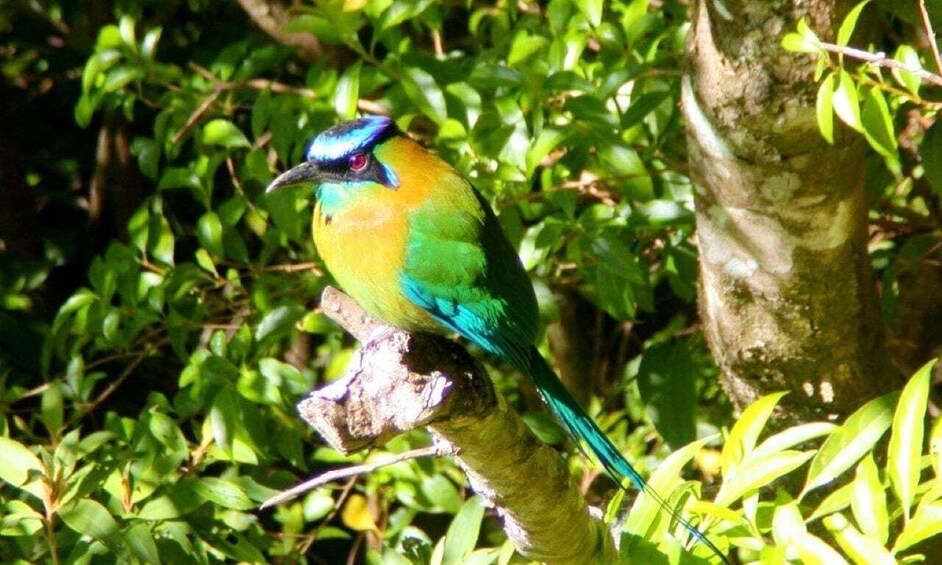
<point>581,426</point>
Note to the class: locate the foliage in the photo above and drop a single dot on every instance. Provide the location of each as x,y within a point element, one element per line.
<point>147,409</point>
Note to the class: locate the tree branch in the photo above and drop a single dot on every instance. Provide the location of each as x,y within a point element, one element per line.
<point>399,381</point>
<point>880,59</point>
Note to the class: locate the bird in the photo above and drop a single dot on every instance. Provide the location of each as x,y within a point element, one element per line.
<point>418,247</point>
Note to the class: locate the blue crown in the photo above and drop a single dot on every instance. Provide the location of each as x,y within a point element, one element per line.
<point>347,138</point>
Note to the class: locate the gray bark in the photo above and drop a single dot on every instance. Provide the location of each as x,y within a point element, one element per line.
<point>399,381</point>
<point>786,296</point>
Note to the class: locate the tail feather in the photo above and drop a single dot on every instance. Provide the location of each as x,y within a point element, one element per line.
<point>583,428</point>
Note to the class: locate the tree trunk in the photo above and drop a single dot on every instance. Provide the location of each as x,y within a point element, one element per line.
<point>786,292</point>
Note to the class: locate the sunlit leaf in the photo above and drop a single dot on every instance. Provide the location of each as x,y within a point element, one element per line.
<point>88,517</point>
<point>869,502</point>
<point>877,123</point>
<point>905,449</point>
<point>744,435</point>
<point>862,550</point>
<point>852,441</point>
<point>463,532</point>
<point>754,472</point>
<point>846,102</point>
<point>824,108</point>
<point>850,23</point>
<point>925,523</point>
<point>225,133</point>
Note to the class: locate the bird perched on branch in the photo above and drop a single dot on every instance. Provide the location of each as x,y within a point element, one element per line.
<point>418,248</point>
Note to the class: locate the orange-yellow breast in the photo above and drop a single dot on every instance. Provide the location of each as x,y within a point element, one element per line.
<point>362,233</point>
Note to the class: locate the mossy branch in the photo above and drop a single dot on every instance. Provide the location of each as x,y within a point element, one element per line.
<point>399,381</point>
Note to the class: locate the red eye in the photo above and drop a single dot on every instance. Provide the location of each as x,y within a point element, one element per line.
<point>358,162</point>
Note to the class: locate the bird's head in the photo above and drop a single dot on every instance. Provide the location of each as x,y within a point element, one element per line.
<point>344,156</point>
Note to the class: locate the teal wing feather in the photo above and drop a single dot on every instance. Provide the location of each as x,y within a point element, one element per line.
<point>461,269</point>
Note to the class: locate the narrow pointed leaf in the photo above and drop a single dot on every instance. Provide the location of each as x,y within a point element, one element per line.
<point>853,440</point>
<point>813,550</point>
<point>925,523</point>
<point>850,23</point>
<point>905,448</point>
<point>755,472</point>
<point>824,108</point>
<point>793,436</point>
<point>846,102</point>
<point>742,438</point>
<point>463,532</point>
<point>861,549</point>
<point>869,502</point>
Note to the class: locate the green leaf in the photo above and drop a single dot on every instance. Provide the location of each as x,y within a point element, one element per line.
<point>52,408</point>
<point>925,523</point>
<point>846,103</point>
<point>852,441</point>
<point>850,23</point>
<point>19,519</point>
<point>755,472</point>
<point>824,108</point>
<point>160,240</point>
<point>591,9</point>
<point>787,523</point>
<point>548,140</point>
<point>463,532</point>
<point>141,543</point>
<point>742,438</point>
<point>224,133</point>
<point>862,549</point>
<point>877,123</point>
<point>224,418</point>
<point>525,46</point>
<point>96,65</point>
<point>223,493</point>
<point>793,436</point>
<point>869,502</point>
<point>646,511</point>
<point>90,518</point>
<point>666,382</point>
<point>422,89</point>
<point>812,549</point>
<point>642,106</point>
<point>19,467</point>
<point>931,153</point>
<point>802,41</point>
<point>838,500</point>
<point>347,91</point>
<point>905,449</point>
<point>278,323</point>
<point>209,233</point>
<point>910,57</point>
<point>935,448</point>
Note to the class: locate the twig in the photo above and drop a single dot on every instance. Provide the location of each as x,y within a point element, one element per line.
<point>196,115</point>
<point>931,34</point>
<point>147,352</point>
<point>880,59</point>
<point>352,471</point>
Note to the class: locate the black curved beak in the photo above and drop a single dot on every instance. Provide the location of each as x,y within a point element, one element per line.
<point>306,172</point>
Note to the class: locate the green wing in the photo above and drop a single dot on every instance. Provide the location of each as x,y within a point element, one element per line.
<point>461,269</point>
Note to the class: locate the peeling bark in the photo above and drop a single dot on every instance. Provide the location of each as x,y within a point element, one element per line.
<point>786,295</point>
<point>398,382</point>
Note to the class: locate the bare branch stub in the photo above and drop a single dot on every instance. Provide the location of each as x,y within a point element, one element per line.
<point>399,382</point>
